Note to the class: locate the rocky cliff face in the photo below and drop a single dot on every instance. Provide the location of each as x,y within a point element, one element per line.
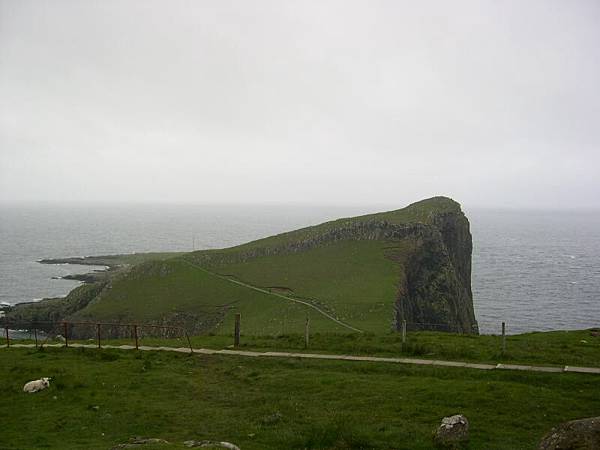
<point>435,291</point>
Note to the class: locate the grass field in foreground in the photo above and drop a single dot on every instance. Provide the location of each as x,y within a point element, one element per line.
<point>98,399</point>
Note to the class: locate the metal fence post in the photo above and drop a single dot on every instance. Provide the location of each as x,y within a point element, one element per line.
<point>98,334</point>
<point>7,338</point>
<point>404,331</point>
<point>503,337</point>
<point>35,337</point>
<point>236,337</point>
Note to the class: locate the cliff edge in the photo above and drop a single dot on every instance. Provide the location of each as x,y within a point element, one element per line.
<point>435,291</point>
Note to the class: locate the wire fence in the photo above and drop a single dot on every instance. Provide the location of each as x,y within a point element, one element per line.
<point>65,332</point>
<point>44,332</point>
<point>413,339</point>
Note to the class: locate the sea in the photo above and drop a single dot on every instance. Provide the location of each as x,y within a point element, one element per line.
<point>535,270</point>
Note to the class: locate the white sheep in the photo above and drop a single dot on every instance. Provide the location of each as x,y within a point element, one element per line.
<point>36,385</point>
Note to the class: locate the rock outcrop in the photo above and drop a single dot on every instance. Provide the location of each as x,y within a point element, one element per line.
<point>435,292</point>
<point>576,434</point>
<point>452,433</point>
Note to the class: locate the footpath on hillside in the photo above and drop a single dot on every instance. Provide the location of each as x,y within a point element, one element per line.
<point>275,294</point>
<point>421,362</point>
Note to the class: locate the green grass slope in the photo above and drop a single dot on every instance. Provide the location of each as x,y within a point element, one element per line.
<point>354,280</point>
<point>127,259</point>
<point>160,290</point>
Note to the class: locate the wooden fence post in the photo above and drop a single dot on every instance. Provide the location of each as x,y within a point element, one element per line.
<point>66,331</point>
<point>404,331</point>
<point>135,333</point>
<point>503,337</point>
<point>7,338</point>
<point>35,337</point>
<point>188,340</point>
<point>236,337</point>
<point>307,332</point>
<point>98,334</point>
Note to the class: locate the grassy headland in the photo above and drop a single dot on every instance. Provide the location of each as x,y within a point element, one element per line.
<point>365,272</point>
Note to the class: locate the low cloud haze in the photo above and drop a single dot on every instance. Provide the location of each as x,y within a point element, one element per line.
<point>333,102</point>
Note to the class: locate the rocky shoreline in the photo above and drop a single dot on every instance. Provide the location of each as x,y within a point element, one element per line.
<point>89,277</point>
<point>108,261</point>
<point>47,308</point>
<point>56,309</point>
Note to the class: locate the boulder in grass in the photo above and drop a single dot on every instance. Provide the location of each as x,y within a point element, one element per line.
<point>139,442</point>
<point>211,444</point>
<point>452,433</point>
<point>582,434</point>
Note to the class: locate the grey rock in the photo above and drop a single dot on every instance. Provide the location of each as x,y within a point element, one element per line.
<point>139,442</point>
<point>205,444</point>
<point>272,418</point>
<point>582,434</point>
<point>452,433</point>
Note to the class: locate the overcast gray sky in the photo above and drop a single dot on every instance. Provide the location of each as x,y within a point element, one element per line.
<point>495,103</point>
